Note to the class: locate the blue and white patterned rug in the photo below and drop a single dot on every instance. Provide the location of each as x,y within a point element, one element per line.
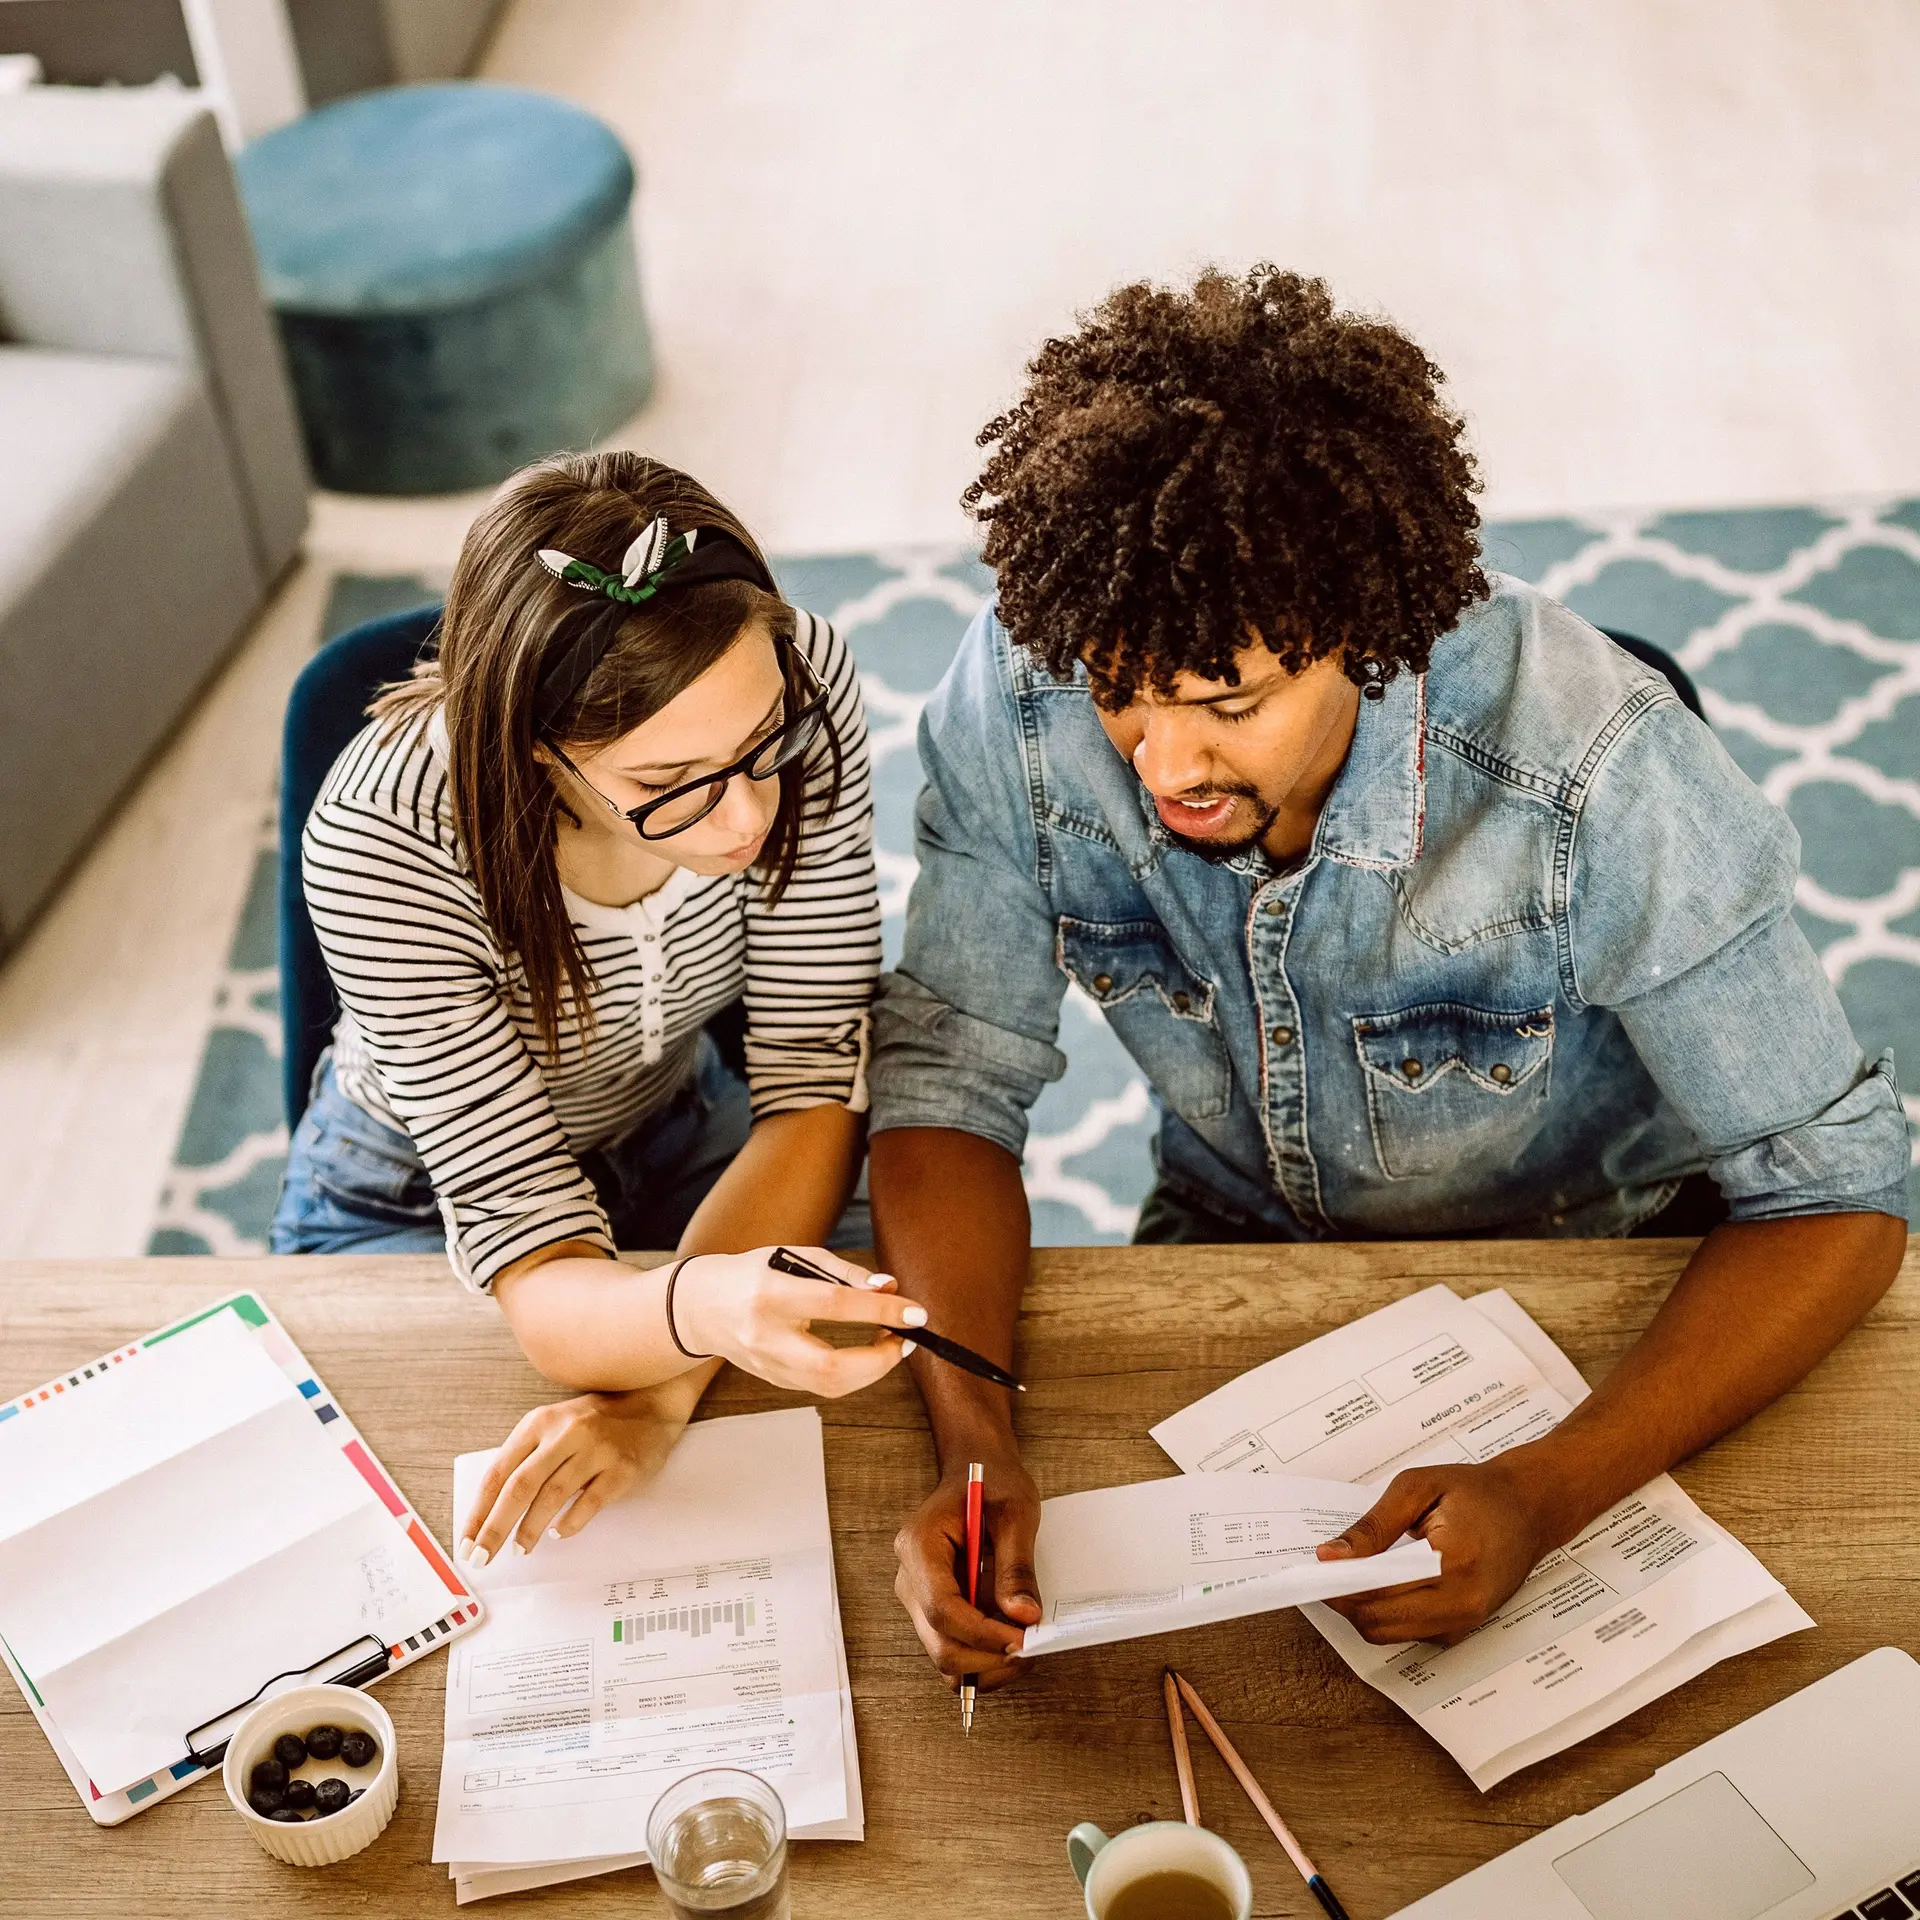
<point>1801,625</point>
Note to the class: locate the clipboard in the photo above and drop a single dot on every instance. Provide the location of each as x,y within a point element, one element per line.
<point>411,1599</point>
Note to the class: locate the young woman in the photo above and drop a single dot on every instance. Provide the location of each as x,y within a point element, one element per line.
<point>630,788</point>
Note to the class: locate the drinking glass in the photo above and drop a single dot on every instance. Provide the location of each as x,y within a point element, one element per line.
<point>718,1843</point>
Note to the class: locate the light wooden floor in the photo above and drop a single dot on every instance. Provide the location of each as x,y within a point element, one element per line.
<point>1668,252</point>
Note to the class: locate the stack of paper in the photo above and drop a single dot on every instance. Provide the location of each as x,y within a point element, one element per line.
<point>1649,1595</point>
<point>1127,1561</point>
<point>694,1624</point>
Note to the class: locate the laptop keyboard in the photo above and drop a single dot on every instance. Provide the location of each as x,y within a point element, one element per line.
<point>1897,1902</point>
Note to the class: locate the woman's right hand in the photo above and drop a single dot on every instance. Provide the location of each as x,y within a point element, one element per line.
<point>735,1305</point>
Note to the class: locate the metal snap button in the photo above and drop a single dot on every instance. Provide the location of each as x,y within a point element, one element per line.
<point>1275,907</point>
<point>1282,1036</point>
<point>1183,1003</point>
<point>1412,1069</point>
<point>1103,983</point>
<point>1503,1073</point>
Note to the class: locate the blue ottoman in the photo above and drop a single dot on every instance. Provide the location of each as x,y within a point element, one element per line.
<point>455,281</point>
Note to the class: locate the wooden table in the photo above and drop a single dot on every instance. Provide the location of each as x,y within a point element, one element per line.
<point>1824,1487</point>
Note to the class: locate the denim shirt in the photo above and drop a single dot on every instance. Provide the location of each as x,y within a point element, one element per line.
<point>1536,966</point>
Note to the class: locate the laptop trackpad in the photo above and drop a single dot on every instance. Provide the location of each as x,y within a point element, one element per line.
<point>1702,1852</point>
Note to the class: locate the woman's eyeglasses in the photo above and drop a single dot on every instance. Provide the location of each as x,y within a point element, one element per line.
<point>682,807</point>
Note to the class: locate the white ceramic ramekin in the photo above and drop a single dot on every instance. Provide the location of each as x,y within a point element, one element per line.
<point>317,1843</point>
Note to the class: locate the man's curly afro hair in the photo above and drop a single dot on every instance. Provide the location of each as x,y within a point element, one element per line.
<point>1192,470</point>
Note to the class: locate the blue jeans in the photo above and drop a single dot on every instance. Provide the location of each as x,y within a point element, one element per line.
<point>355,1185</point>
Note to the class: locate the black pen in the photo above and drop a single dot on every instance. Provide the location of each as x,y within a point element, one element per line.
<point>785,1260</point>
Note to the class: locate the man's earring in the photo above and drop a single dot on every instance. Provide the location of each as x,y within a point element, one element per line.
<point>1373,680</point>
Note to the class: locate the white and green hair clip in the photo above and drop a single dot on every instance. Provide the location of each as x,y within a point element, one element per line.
<point>643,566</point>
<point>654,560</point>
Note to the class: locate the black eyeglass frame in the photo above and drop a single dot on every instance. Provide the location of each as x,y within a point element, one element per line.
<point>717,783</point>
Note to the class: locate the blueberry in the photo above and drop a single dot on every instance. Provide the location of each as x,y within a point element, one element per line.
<point>268,1777</point>
<point>330,1795</point>
<point>267,1800</point>
<point>288,1817</point>
<point>323,1743</point>
<point>300,1794</point>
<point>355,1795</point>
<point>290,1750</point>
<point>357,1749</point>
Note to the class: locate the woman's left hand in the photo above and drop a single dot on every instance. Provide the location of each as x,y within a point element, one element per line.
<point>586,1451</point>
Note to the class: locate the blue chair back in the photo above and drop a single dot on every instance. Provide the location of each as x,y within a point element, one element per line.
<point>327,708</point>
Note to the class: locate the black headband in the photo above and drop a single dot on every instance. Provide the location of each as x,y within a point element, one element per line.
<point>708,554</point>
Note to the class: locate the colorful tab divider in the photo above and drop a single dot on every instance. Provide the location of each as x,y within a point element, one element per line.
<point>378,1481</point>
<point>35,1396</point>
<point>248,1306</point>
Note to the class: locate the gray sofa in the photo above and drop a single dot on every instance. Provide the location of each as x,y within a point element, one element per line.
<point>152,484</point>
<point>344,46</point>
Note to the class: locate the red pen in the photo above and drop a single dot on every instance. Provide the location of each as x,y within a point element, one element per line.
<point>976,1503</point>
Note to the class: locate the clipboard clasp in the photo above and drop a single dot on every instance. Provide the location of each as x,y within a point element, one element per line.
<point>371,1663</point>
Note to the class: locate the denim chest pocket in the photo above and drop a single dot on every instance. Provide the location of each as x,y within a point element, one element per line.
<point>1452,1086</point>
<point>1160,1009</point>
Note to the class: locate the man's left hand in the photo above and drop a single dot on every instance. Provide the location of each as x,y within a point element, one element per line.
<point>1486,1522</point>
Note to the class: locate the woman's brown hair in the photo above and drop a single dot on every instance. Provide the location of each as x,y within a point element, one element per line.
<point>507,619</point>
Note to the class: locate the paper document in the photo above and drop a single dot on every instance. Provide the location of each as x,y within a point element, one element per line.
<point>178,1533</point>
<point>477,1882</point>
<point>1125,1561</point>
<point>694,1624</point>
<point>1649,1594</point>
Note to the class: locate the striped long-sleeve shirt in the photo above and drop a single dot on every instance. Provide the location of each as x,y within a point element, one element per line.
<point>437,1035</point>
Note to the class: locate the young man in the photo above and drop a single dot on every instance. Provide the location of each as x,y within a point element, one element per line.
<point>1423,907</point>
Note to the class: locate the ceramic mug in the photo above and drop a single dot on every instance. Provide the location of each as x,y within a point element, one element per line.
<point>1104,1867</point>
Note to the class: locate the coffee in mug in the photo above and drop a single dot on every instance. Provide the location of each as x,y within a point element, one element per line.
<point>1163,1870</point>
<point>1172,1895</point>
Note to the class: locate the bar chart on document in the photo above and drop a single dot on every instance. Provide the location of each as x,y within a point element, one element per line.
<point>683,1604</point>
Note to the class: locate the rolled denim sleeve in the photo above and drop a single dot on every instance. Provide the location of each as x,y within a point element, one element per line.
<point>964,1030</point>
<point>1680,885</point>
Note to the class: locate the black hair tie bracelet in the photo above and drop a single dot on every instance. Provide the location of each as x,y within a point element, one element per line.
<point>673,1332</point>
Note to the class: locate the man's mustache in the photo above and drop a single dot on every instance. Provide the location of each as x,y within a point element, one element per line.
<point>1206,796</point>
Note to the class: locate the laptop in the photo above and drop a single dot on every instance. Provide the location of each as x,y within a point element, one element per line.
<point>1809,1811</point>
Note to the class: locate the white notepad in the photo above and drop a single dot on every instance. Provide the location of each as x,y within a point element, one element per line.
<point>184,1522</point>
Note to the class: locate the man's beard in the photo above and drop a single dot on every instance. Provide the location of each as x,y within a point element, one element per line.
<point>1220,851</point>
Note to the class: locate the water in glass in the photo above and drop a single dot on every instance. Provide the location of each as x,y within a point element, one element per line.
<point>723,1852</point>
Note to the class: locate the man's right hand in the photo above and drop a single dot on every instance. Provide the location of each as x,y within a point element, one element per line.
<point>949,1209</point>
<point>931,1583</point>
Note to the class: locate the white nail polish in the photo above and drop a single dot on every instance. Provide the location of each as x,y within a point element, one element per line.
<point>907,1346</point>
<point>479,1557</point>
<point>554,1533</point>
<point>877,1279</point>
<point>915,1316</point>
<point>519,1552</point>
<point>466,1550</point>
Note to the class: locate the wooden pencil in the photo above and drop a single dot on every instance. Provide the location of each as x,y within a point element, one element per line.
<point>1315,1879</point>
<point>1182,1759</point>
